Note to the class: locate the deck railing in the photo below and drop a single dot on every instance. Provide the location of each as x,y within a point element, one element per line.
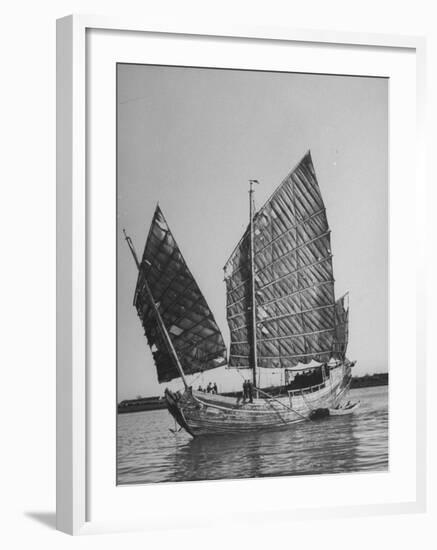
<point>309,389</point>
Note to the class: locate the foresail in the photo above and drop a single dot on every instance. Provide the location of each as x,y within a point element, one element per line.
<point>189,321</point>
<point>294,284</point>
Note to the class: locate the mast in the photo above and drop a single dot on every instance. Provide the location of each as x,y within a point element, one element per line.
<point>254,350</point>
<point>132,249</point>
<point>161,324</point>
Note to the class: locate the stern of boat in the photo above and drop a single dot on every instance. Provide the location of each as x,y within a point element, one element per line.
<point>342,386</point>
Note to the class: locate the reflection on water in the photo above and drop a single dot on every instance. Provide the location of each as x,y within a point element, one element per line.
<point>147,451</point>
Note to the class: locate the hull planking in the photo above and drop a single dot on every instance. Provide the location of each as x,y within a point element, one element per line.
<point>202,413</point>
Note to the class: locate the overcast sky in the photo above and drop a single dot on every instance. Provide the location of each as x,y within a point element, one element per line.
<point>191,138</point>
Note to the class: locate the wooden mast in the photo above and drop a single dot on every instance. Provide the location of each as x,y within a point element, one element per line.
<point>161,324</point>
<point>254,350</point>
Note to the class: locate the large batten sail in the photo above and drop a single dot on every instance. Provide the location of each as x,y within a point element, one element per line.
<point>294,284</point>
<point>190,324</point>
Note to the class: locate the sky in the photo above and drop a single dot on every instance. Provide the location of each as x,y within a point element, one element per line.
<point>191,138</point>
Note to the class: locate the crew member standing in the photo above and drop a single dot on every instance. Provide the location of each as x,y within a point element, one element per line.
<point>250,391</point>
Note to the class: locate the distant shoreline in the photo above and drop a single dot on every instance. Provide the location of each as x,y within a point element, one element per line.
<point>370,380</point>
<point>142,404</point>
<point>156,402</point>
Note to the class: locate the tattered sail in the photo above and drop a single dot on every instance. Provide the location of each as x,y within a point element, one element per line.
<point>341,327</point>
<point>294,283</point>
<point>189,322</point>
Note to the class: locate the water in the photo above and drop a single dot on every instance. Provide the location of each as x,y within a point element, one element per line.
<point>148,452</point>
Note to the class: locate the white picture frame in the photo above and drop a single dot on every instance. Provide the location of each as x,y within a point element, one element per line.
<point>74,396</point>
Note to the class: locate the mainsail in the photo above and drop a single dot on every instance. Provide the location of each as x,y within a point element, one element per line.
<point>293,278</point>
<point>190,324</point>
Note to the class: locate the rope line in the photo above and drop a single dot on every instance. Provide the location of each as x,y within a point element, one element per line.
<point>281,403</point>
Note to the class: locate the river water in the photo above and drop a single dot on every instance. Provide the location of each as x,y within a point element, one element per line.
<point>148,452</point>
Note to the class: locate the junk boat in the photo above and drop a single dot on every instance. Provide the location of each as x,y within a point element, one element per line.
<point>281,311</point>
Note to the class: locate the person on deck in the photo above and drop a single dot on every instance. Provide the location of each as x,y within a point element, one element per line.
<point>250,391</point>
<point>214,388</point>
<point>244,391</point>
<point>209,387</point>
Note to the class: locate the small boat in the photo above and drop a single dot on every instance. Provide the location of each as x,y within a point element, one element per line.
<point>281,311</point>
<point>347,408</point>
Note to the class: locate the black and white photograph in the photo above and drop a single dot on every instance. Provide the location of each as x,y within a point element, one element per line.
<point>252,274</point>
<point>219,299</point>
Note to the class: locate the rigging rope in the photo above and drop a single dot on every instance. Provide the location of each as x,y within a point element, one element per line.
<point>305,401</point>
<point>281,403</point>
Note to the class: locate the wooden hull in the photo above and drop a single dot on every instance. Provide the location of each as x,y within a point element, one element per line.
<point>201,413</point>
